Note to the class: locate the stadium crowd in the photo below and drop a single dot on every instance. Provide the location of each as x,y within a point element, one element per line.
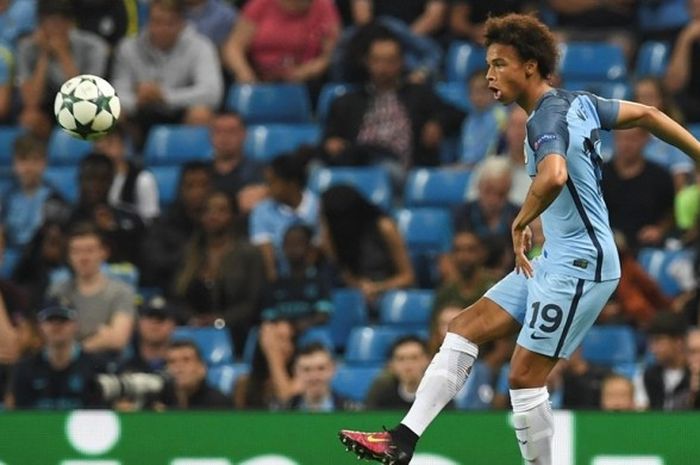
<point>226,247</point>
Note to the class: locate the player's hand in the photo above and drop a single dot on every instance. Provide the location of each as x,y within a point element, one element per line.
<point>522,242</point>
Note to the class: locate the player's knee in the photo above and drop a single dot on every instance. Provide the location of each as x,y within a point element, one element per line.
<point>521,377</point>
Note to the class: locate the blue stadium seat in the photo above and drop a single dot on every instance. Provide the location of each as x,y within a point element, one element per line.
<point>8,134</point>
<point>349,310</point>
<point>224,377</point>
<point>426,229</point>
<point>436,187</point>
<point>613,90</point>
<point>125,272</point>
<point>353,382</point>
<point>214,344</point>
<point>66,150</point>
<point>270,103</point>
<point>265,142</point>
<point>65,180</point>
<point>410,307</point>
<point>463,58</point>
<point>167,178</point>
<point>317,334</point>
<point>652,59</point>
<point>373,182</point>
<point>369,345</point>
<point>592,61</point>
<point>251,343</point>
<point>176,144</point>
<point>454,93</point>
<point>330,92</point>
<point>671,269</point>
<point>610,345</point>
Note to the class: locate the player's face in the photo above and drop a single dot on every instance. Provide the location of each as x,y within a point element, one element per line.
<point>315,371</point>
<point>227,136</point>
<point>409,362</point>
<point>506,73</point>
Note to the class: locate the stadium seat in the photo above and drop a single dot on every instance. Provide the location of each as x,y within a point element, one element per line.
<point>610,345</point>
<point>671,269</point>
<point>265,142</point>
<point>592,61</point>
<point>349,310</point>
<point>330,92</point>
<point>66,150</point>
<point>436,187</point>
<point>369,345</point>
<point>167,178</point>
<point>652,59</point>
<point>353,382</point>
<point>317,334</point>
<point>454,93</point>
<point>463,58</point>
<point>426,229</point>
<point>410,307</point>
<point>373,182</point>
<point>214,344</point>
<point>8,134</point>
<point>65,180</point>
<point>176,144</point>
<point>270,103</point>
<point>224,377</point>
<point>251,343</point>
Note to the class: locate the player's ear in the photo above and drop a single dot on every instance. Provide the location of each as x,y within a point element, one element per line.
<point>530,68</point>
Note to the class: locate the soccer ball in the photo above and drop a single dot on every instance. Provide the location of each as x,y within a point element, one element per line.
<point>87,107</point>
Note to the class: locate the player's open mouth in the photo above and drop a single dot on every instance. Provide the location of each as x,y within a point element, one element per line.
<point>497,94</point>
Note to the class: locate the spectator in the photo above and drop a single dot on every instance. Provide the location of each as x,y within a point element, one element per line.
<point>222,275</point>
<point>440,318</point>
<point>290,202</point>
<point>581,382</point>
<point>7,61</point>
<point>28,200</point>
<point>693,355</point>
<point>388,121</point>
<point>212,18</point>
<point>683,74</point>
<point>490,215</point>
<point>424,17</point>
<point>667,380</point>
<point>408,359</point>
<point>617,394</point>
<point>515,139</point>
<point>363,243</point>
<point>481,131</point>
<point>122,229</point>
<point>234,173</point>
<point>686,208</point>
<point>9,338</point>
<point>53,53</point>
<point>467,17</point>
<point>110,19</point>
<point>163,246</point>
<point>270,384</point>
<point>132,188</point>
<point>465,279</point>
<point>283,40</point>
<point>185,365</point>
<point>639,194</point>
<point>105,307</point>
<point>303,295</point>
<point>314,369</point>
<point>17,18</point>
<point>169,74</point>
<point>155,327</point>
<point>59,376</point>
<point>650,91</point>
<point>479,391</point>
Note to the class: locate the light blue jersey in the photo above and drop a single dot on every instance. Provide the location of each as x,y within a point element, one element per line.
<point>578,239</point>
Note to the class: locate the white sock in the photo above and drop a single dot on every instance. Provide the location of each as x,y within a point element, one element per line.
<point>442,381</point>
<point>534,424</point>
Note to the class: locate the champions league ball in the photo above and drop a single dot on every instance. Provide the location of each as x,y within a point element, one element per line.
<point>87,107</point>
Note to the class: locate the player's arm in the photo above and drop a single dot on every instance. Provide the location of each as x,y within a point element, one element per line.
<point>550,180</point>
<point>632,114</point>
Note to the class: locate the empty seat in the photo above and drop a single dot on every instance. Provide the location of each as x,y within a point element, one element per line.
<point>317,335</point>
<point>671,269</point>
<point>65,180</point>
<point>8,134</point>
<point>329,93</point>
<point>224,377</point>
<point>610,345</point>
<point>66,150</point>
<point>353,382</point>
<point>372,182</point>
<point>454,93</point>
<point>270,103</point>
<point>349,310</point>
<point>652,59</point>
<point>436,187</point>
<point>176,144</point>
<point>369,345</point>
<point>214,344</point>
<point>463,58</point>
<point>167,179</point>
<point>592,61</point>
<point>264,142</point>
<point>426,229</point>
<point>409,307</point>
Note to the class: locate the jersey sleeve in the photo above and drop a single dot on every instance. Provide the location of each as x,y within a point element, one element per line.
<point>548,131</point>
<point>607,111</point>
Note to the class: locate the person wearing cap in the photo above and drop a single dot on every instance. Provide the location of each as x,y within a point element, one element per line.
<point>54,53</point>
<point>155,326</point>
<point>667,380</point>
<point>59,375</point>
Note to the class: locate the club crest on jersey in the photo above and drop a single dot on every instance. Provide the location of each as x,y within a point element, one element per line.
<point>542,139</point>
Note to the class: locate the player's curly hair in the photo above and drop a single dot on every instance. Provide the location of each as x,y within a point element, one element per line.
<point>530,38</point>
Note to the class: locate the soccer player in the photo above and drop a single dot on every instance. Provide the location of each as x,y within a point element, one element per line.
<point>553,301</point>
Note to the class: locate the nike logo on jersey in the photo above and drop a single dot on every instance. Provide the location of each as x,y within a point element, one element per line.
<point>537,337</point>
